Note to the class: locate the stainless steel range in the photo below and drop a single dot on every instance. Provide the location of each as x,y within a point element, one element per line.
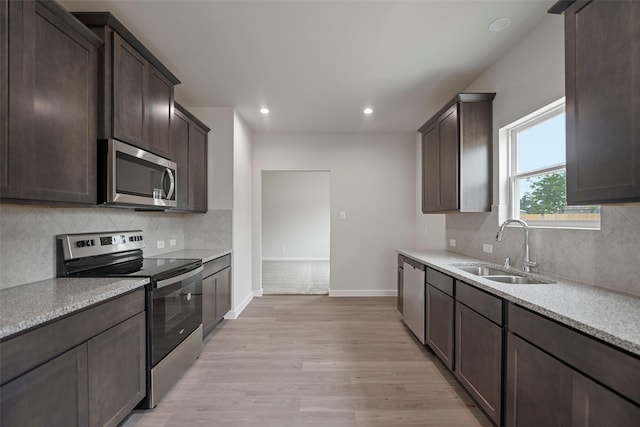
<point>173,298</point>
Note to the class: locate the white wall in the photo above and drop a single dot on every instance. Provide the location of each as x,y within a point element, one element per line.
<point>295,215</point>
<point>372,180</point>
<point>528,77</point>
<point>242,214</point>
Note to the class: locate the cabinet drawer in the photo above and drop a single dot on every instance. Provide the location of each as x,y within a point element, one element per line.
<point>213,266</point>
<point>610,366</point>
<point>440,281</point>
<point>480,301</point>
<point>35,347</point>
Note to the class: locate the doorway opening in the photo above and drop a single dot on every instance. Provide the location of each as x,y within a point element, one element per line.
<point>295,232</point>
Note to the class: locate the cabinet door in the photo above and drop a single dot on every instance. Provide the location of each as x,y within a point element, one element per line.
<point>117,371</point>
<point>223,293</point>
<point>440,324</point>
<point>54,394</point>
<point>594,405</point>
<point>449,149</point>
<point>400,290</point>
<point>538,387</point>
<point>130,72</point>
<point>48,138</point>
<point>208,303</point>
<point>479,359</point>
<point>180,155</point>
<point>198,168</point>
<point>602,55</point>
<point>12,97</point>
<point>431,171</point>
<point>159,109</point>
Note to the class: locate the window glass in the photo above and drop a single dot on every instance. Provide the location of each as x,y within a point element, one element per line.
<point>542,144</point>
<point>537,172</point>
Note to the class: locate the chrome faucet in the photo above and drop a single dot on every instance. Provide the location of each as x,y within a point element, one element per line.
<point>528,263</point>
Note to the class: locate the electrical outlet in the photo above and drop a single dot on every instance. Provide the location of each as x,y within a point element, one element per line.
<point>283,249</point>
<point>160,244</point>
<point>452,243</point>
<point>426,231</point>
<point>488,248</point>
<point>343,215</point>
<point>172,242</point>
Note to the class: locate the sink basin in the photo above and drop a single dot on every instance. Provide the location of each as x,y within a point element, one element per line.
<point>501,275</point>
<point>517,280</point>
<point>482,270</point>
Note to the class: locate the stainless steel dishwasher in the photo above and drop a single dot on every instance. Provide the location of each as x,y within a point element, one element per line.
<point>413,297</point>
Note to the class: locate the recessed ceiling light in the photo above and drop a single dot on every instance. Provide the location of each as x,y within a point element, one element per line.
<point>368,110</point>
<point>264,110</point>
<point>499,24</point>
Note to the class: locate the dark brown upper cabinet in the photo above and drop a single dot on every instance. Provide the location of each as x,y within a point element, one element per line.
<point>189,151</point>
<point>48,71</point>
<point>135,91</point>
<point>457,155</point>
<point>602,64</point>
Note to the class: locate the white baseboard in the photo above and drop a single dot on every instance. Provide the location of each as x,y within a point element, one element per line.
<point>235,313</point>
<point>295,259</point>
<point>257,293</point>
<point>363,293</point>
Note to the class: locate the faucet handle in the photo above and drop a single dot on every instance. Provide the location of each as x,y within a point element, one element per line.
<point>507,262</point>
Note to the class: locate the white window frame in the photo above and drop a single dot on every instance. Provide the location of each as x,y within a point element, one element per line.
<point>513,176</point>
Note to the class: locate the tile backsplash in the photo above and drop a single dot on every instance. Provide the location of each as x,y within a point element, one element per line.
<point>608,257</point>
<point>27,234</point>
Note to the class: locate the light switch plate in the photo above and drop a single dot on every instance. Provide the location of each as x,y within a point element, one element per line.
<point>452,243</point>
<point>160,244</point>
<point>343,215</point>
<point>172,242</point>
<point>488,248</point>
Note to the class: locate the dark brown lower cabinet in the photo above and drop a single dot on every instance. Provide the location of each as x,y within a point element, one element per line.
<point>216,292</point>
<point>85,369</point>
<point>595,405</point>
<point>479,359</point>
<point>440,324</point>
<point>116,372</point>
<point>223,293</point>
<point>399,283</point>
<point>559,376</point>
<point>208,303</point>
<point>54,394</point>
<point>538,387</point>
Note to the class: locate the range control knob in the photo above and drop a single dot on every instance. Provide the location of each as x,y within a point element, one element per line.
<point>80,243</point>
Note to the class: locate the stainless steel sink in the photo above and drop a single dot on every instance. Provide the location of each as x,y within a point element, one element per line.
<point>517,280</point>
<point>502,275</point>
<point>482,270</point>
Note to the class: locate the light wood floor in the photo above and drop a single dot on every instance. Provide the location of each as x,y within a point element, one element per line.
<point>302,361</point>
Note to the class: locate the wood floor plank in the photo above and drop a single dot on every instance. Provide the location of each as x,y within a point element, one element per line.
<point>314,361</point>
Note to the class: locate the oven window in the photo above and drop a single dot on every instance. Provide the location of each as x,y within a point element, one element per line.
<point>176,312</point>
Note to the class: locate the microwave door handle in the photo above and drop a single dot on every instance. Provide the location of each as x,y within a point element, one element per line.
<point>172,182</point>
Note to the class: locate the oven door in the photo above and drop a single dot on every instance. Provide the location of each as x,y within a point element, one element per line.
<point>137,177</point>
<point>176,311</point>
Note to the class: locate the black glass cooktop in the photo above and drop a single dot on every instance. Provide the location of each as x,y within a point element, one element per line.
<point>155,268</point>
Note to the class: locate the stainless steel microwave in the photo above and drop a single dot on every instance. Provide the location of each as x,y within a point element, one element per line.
<point>130,176</point>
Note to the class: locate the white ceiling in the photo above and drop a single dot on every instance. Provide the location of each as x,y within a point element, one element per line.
<point>317,64</point>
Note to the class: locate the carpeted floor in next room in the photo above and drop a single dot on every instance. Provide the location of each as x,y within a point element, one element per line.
<point>295,277</point>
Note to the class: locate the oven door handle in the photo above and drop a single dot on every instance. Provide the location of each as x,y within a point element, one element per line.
<point>176,279</point>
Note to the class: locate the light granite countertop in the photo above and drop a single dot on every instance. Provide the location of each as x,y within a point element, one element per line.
<point>205,255</point>
<point>32,304</point>
<point>610,316</point>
